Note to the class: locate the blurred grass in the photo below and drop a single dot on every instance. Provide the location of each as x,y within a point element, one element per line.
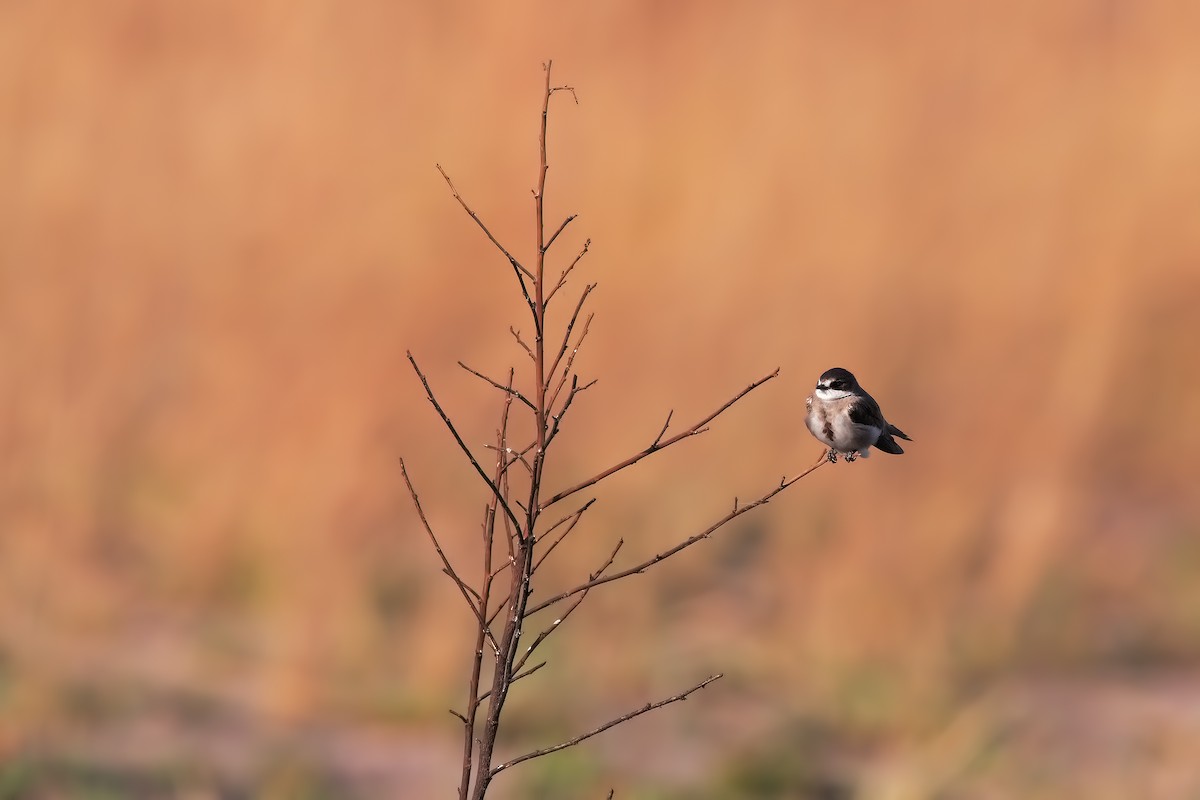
<point>220,229</point>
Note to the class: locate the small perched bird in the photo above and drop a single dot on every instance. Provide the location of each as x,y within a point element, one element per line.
<point>847,420</point>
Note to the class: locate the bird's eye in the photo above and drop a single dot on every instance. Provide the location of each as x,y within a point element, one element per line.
<point>837,384</point>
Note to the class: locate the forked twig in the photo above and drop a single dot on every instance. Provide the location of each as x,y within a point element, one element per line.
<point>562,279</point>
<point>566,339</point>
<point>566,406</point>
<point>516,334</point>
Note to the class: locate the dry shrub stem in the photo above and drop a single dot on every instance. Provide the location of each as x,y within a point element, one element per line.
<point>514,506</point>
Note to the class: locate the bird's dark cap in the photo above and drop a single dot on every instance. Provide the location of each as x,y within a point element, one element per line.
<point>837,374</point>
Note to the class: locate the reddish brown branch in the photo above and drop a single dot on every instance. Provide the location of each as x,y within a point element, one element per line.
<point>574,391</point>
<point>642,567</point>
<point>447,568</point>
<point>518,677</point>
<point>516,334</point>
<point>601,729</point>
<point>463,445</point>
<point>497,384</point>
<point>545,634</point>
<point>550,241</point>
<point>562,279</point>
<point>515,264</point>
<point>658,444</point>
<point>566,339</point>
<point>574,517</point>
<point>499,477</point>
<point>529,542</point>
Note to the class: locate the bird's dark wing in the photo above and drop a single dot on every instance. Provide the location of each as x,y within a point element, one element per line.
<point>894,431</point>
<point>865,411</point>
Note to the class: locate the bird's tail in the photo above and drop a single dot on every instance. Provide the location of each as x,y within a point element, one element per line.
<point>894,431</point>
<point>887,444</point>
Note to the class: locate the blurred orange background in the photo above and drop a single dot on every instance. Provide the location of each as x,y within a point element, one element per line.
<point>221,228</point>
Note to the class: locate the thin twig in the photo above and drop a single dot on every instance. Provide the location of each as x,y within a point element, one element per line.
<point>516,264</point>
<point>611,723</point>
<point>499,477</point>
<point>642,567</point>
<point>541,637</point>
<point>566,340</point>
<point>463,445</point>
<point>562,279</point>
<point>517,335</point>
<point>465,590</point>
<point>657,445</point>
<point>666,425</point>
<point>498,385</point>
<point>574,517</point>
<point>558,418</point>
<point>554,236</point>
<point>518,677</point>
<point>570,89</point>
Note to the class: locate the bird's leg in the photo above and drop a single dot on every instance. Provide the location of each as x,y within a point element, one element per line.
<point>853,454</point>
<point>831,456</point>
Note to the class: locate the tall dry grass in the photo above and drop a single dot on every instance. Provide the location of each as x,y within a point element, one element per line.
<point>220,228</point>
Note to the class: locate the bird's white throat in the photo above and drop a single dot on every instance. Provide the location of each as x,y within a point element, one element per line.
<point>831,394</point>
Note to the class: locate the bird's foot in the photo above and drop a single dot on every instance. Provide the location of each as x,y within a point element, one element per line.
<point>853,454</point>
<point>831,456</point>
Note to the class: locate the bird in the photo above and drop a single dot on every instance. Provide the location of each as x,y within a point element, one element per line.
<point>847,420</point>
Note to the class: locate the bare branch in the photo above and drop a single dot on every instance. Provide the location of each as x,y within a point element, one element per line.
<point>518,677</point>
<point>554,236</point>
<point>503,606</point>
<point>562,279</point>
<point>529,671</point>
<point>516,502</point>
<point>566,340</point>
<point>470,589</point>
<point>558,418</point>
<point>574,517</point>
<point>657,445</point>
<point>582,596</point>
<point>517,335</point>
<point>463,445</point>
<point>663,432</point>
<point>570,89</point>
<point>498,385</point>
<point>513,456</point>
<point>483,631</point>
<point>515,264</point>
<point>642,567</point>
<point>611,723</point>
<point>466,591</point>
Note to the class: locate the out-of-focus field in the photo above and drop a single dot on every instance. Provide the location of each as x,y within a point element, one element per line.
<point>221,227</point>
